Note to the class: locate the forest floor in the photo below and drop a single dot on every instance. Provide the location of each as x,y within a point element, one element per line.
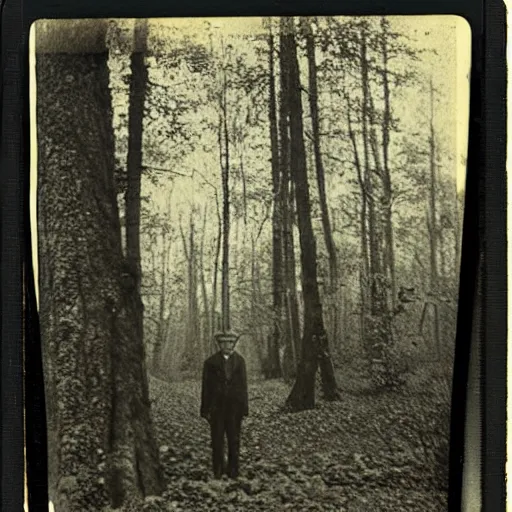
<point>367,452</point>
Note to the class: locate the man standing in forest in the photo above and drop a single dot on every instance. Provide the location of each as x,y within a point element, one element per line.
<point>224,402</point>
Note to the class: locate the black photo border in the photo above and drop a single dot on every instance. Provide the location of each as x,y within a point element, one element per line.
<point>483,248</point>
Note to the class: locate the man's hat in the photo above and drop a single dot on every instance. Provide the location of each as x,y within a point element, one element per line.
<point>226,336</point>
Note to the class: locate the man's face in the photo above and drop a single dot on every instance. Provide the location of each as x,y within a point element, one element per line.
<point>227,347</point>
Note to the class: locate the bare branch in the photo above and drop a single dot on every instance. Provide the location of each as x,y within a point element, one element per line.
<point>154,84</point>
<point>161,169</point>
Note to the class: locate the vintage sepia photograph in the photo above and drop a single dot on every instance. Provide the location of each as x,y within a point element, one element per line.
<point>247,238</point>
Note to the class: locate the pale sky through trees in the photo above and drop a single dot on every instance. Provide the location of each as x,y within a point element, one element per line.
<point>446,61</point>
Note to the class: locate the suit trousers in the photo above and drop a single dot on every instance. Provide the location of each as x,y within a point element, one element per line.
<point>227,425</point>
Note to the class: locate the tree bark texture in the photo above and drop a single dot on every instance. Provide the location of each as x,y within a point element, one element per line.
<point>320,176</point>
<point>378,332</point>
<point>275,339</point>
<point>137,94</point>
<point>315,350</point>
<point>365,265</point>
<point>386,178</point>
<point>138,86</point>
<point>291,327</point>
<point>193,352</point>
<point>102,448</point>
<point>374,253</point>
<point>291,271</point>
<point>215,272</point>
<point>206,303</point>
<point>156,362</point>
<point>224,141</point>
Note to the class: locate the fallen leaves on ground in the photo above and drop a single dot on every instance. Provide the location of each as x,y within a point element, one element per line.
<point>362,453</point>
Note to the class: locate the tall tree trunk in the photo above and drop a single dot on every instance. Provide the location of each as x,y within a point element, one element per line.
<point>315,350</point>
<point>443,278</point>
<point>193,355</point>
<point>215,272</point>
<point>226,324</point>
<point>167,370</point>
<point>291,327</point>
<point>380,330</point>
<point>320,176</point>
<point>432,217</point>
<point>386,177</point>
<point>197,355</point>
<point>291,319</point>
<point>138,86</point>
<point>103,450</point>
<point>365,266</point>
<point>374,253</point>
<point>254,297</point>
<point>260,299</point>
<point>257,330</point>
<point>434,229</point>
<point>273,366</point>
<point>244,188</point>
<point>206,306</point>
<point>163,293</point>
<point>291,270</point>
<point>161,332</point>
<point>163,327</point>
<point>383,219</point>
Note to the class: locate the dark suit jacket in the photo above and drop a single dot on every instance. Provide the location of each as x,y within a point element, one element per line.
<point>221,395</point>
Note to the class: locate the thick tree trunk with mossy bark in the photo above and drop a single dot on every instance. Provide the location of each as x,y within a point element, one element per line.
<point>102,449</point>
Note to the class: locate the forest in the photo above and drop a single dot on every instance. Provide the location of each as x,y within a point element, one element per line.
<point>294,180</point>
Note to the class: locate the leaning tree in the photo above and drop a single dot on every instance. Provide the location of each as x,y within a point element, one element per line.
<point>315,352</point>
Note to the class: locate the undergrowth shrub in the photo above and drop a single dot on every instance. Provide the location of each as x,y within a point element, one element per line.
<point>427,428</point>
<point>434,434</point>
